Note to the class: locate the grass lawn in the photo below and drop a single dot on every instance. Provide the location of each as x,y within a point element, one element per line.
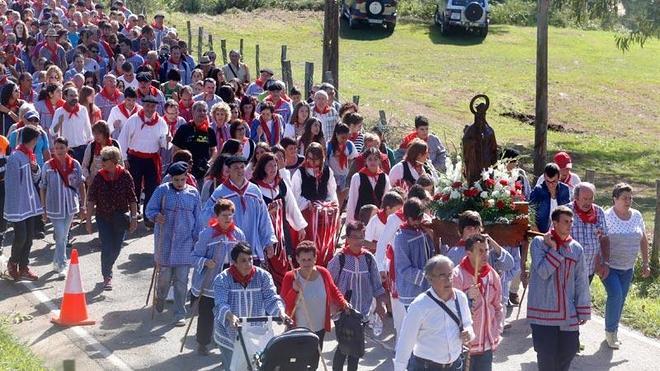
<point>609,97</point>
<point>16,356</point>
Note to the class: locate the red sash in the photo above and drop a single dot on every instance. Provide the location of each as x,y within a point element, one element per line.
<point>270,138</point>
<point>154,157</point>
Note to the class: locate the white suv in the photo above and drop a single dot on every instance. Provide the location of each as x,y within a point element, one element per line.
<point>465,14</point>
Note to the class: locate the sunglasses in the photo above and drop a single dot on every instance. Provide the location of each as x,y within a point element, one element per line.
<point>104,159</point>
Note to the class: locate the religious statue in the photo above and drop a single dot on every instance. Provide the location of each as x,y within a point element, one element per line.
<point>479,144</point>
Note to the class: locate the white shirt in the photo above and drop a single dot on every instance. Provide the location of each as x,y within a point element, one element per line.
<point>296,185</point>
<point>429,332</point>
<point>241,72</point>
<point>140,138</point>
<point>115,114</point>
<point>386,237</point>
<point>354,193</point>
<point>396,173</point>
<point>133,84</point>
<point>76,129</point>
<point>374,229</point>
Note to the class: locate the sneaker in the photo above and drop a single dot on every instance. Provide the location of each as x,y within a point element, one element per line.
<point>180,322</point>
<point>107,284</point>
<point>514,299</point>
<point>612,342</point>
<point>12,270</point>
<point>159,305</point>
<point>202,350</point>
<point>26,273</point>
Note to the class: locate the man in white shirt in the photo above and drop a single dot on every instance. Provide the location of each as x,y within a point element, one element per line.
<point>235,69</point>
<point>325,113</point>
<point>140,140</point>
<point>437,325</point>
<point>72,122</point>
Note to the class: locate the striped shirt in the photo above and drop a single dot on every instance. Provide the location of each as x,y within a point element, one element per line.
<point>588,235</point>
<point>61,201</point>
<point>358,276</point>
<point>412,249</point>
<point>20,179</point>
<point>211,247</point>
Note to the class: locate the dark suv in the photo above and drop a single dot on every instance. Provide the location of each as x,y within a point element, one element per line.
<point>380,12</point>
<point>465,14</point>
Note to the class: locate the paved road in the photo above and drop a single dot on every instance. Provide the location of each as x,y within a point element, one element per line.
<point>125,336</point>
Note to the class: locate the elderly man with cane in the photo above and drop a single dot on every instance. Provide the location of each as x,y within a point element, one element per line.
<point>438,324</point>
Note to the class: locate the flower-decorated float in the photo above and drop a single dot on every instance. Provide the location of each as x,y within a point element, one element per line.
<point>497,196</point>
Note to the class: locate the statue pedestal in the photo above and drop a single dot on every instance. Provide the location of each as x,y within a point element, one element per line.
<point>505,234</point>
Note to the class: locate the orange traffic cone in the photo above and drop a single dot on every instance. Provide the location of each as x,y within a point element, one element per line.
<point>74,305</point>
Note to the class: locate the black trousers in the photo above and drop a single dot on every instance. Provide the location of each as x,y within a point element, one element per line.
<point>204,319</point>
<point>20,248</point>
<point>3,222</point>
<point>555,349</point>
<point>143,170</point>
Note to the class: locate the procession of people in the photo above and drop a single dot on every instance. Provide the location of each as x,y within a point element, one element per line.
<point>264,202</point>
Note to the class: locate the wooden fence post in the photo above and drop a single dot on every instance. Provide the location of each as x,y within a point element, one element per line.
<point>356,99</point>
<point>287,75</point>
<point>283,56</point>
<point>190,47</point>
<point>309,78</point>
<point>240,49</point>
<point>200,37</point>
<point>655,248</point>
<point>383,119</point>
<point>256,55</point>
<point>223,48</point>
<point>590,176</point>
<point>210,42</point>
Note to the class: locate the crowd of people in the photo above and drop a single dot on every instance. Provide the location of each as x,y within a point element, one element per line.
<point>107,117</point>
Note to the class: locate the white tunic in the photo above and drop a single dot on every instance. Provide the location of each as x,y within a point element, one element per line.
<point>142,138</point>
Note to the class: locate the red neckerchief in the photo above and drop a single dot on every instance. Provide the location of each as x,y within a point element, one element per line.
<point>50,108</point>
<point>108,49</point>
<point>354,136</point>
<point>260,83</point>
<point>13,107</point>
<point>272,187</point>
<point>240,192</point>
<point>567,180</point>
<point>587,217</point>
<point>342,158</point>
<point>20,124</point>
<point>72,111</point>
<point>152,121</point>
<point>374,176</point>
<point>483,272</point>
<point>218,231</point>
<point>190,180</point>
<point>325,110</point>
<point>558,240</point>
<point>29,97</point>
<point>155,26</point>
<point>113,98</point>
<point>171,124</point>
<point>63,171</point>
<point>347,251</point>
<point>28,152</point>
<point>203,128</point>
<point>124,110</point>
<point>461,243</point>
<point>407,139</point>
<point>53,52</point>
<point>105,174</point>
<point>318,173</point>
<point>400,215</point>
<point>3,79</point>
<point>152,91</point>
<point>98,148</point>
<point>11,61</point>
<point>239,278</point>
<point>283,99</point>
<point>382,216</point>
<point>271,138</point>
<point>185,111</point>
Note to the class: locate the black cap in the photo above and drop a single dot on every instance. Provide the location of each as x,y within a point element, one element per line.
<point>177,168</point>
<point>144,77</point>
<point>235,159</point>
<point>149,99</point>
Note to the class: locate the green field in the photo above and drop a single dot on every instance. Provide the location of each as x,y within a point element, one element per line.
<point>608,97</point>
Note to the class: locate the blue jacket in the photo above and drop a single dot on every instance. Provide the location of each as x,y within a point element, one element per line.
<point>540,199</point>
<point>412,249</point>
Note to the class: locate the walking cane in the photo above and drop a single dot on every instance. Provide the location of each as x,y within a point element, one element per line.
<point>522,298</point>
<point>195,307</point>
<point>156,273</point>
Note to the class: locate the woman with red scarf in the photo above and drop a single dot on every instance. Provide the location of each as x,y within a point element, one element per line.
<point>108,97</point>
<point>10,102</point>
<point>110,197</point>
<point>49,100</point>
<point>92,163</point>
<point>62,188</point>
<point>268,127</point>
<point>315,189</point>
<point>414,164</point>
<point>341,153</point>
<point>368,186</point>
<point>283,210</point>
<point>482,286</point>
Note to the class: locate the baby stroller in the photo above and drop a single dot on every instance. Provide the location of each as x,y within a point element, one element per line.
<point>293,350</point>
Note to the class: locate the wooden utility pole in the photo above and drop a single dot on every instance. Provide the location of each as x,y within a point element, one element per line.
<point>541,124</point>
<point>331,40</point>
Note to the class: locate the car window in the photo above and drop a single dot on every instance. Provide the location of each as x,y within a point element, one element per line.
<point>466,2</point>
